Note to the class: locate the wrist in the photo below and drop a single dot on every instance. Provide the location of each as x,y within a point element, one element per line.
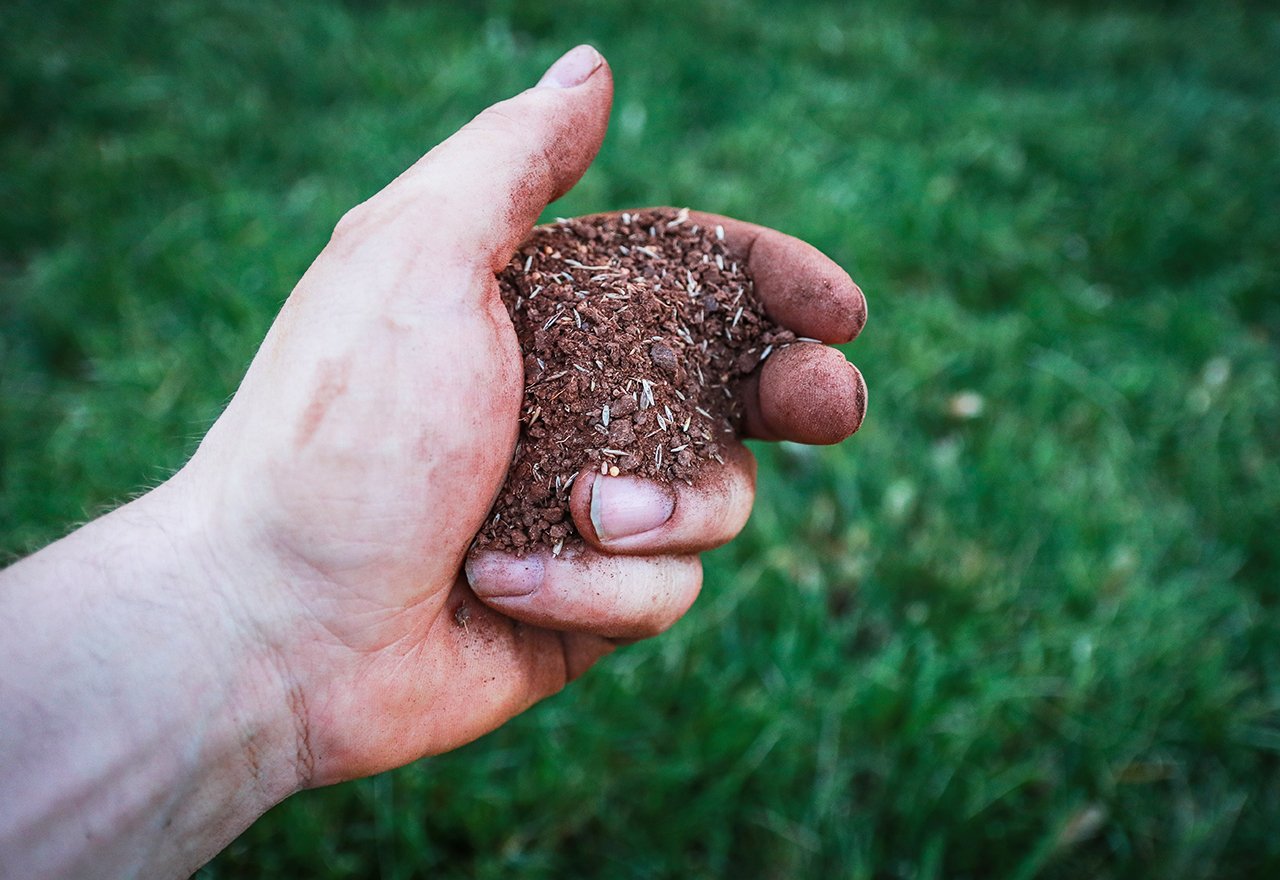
<point>235,714</point>
<point>142,714</point>
<point>252,705</point>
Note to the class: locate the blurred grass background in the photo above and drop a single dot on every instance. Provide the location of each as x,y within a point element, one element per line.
<point>1024,624</point>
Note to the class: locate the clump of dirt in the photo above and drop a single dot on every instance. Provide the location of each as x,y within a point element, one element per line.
<point>635,327</point>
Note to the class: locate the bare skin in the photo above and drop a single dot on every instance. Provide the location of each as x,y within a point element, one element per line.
<point>295,607</point>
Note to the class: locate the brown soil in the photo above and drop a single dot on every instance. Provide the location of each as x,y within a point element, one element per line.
<point>635,329</point>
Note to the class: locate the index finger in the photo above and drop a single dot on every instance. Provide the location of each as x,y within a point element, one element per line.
<point>801,287</point>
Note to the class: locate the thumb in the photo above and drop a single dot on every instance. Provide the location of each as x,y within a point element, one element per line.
<point>485,186</point>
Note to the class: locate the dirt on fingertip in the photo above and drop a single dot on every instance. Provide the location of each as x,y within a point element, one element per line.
<point>635,328</point>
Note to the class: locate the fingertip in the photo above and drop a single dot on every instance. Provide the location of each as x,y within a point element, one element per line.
<point>810,394</point>
<point>805,291</point>
<point>608,509</point>
<point>800,286</point>
<point>572,69</point>
<point>483,188</point>
<point>627,597</point>
<point>857,311</point>
<point>638,516</point>
<point>493,575</point>
<point>583,123</point>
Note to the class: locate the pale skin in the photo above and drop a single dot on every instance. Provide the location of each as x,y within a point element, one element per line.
<point>295,607</point>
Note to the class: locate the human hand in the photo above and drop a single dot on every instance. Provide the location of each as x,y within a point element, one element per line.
<point>344,483</point>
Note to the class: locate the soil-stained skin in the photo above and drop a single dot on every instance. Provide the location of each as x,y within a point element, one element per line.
<point>807,292</point>
<point>800,287</point>
<point>573,153</point>
<point>635,329</point>
<point>806,387</point>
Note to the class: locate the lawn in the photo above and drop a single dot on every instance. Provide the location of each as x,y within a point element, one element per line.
<point>1024,624</point>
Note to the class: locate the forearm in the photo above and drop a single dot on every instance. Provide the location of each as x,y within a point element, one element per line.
<point>138,733</point>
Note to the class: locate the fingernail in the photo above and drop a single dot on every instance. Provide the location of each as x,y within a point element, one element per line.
<point>501,575</point>
<point>624,506</point>
<point>573,68</point>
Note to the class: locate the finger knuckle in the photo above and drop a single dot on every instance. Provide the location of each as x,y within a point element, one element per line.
<point>536,150</point>
<point>352,224</point>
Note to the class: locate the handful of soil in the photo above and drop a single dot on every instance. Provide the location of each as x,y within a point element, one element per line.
<point>635,329</point>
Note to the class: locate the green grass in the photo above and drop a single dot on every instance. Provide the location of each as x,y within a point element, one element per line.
<point>1042,641</point>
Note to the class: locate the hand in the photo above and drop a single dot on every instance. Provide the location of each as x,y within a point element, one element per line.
<point>347,477</point>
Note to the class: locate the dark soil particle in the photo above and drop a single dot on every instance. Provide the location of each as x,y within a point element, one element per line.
<point>635,328</point>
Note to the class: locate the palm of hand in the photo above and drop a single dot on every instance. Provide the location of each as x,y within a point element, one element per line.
<point>387,442</point>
